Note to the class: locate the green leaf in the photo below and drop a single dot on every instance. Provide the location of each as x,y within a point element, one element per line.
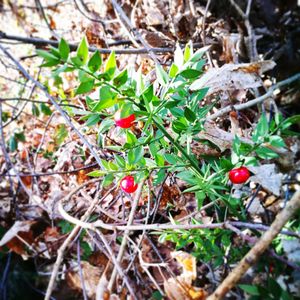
<point>83,51</point>
<point>35,110</point>
<point>121,78</point>
<point>290,121</point>
<point>120,161</point>
<point>157,296</point>
<point>171,159</point>
<point>159,159</point>
<point>190,73</point>
<point>148,93</point>
<point>108,98</point>
<point>189,114</point>
<point>173,71</point>
<point>105,125</point>
<point>97,173</point>
<point>266,153</point>
<point>200,196</point>
<point>20,136</point>
<point>131,157</point>
<point>47,56</point>
<point>250,289</point>
<point>130,138</point>
<point>95,62</point>
<point>161,74</point>
<point>261,129</point>
<point>85,87</point>
<point>12,144</point>
<point>198,54</point>
<point>76,61</point>
<point>276,141</point>
<point>236,145</point>
<point>60,134</point>
<point>55,52</point>
<point>111,65</point>
<point>179,125</point>
<point>160,177</point>
<point>153,148</point>
<point>188,51</point>
<point>64,49</point>
<point>138,154</point>
<point>93,120</point>
<point>65,226</point>
<point>108,179</point>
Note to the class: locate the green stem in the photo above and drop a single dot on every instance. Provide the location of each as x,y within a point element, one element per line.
<point>145,169</point>
<point>177,146</point>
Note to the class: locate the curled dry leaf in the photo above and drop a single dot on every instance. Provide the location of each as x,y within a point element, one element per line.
<point>17,237</point>
<point>180,288</point>
<point>267,176</point>
<point>231,77</point>
<point>219,137</point>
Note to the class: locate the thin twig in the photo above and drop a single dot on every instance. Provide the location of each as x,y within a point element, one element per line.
<point>118,9</point>
<point>255,101</point>
<point>55,104</point>
<point>72,235</point>
<point>126,233</point>
<point>258,249</point>
<point>80,271</point>
<point>73,47</point>
<point>158,227</point>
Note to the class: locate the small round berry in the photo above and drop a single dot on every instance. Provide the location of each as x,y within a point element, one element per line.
<point>124,122</point>
<point>239,175</point>
<point>127,184</point>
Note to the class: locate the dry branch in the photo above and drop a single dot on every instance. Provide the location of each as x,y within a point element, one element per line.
<point>258,249</point>
<point>55,104</point>
<point>255,101</point>
<point>73,47</point>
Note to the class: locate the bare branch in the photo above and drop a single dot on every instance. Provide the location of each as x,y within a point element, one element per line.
<point>259,248</point>
<point>55,104</point>
<point>73,47</point>
<point>255,101</point>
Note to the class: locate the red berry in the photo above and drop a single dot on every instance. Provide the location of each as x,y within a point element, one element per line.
<point>127,184</point>
<point>239,175</point>
<point>124,122</point>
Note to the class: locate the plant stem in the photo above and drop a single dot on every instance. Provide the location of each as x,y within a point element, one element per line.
<point>177,146</point>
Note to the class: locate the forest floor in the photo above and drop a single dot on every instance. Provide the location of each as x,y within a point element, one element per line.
<point>185,243</point>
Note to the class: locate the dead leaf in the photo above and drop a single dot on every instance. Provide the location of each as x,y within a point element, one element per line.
<point>267,176</point>
<point>188,264</point>
<point>219,137</point>
<point>16,237</point>
<point>91,276</point>
<point>180,288</point>
<point>231,77</point>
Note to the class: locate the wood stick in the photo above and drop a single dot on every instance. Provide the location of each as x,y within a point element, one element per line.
<point>258,249</point>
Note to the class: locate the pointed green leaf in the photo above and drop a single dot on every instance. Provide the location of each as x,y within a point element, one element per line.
<point>46,55</point>
<point>190,115</point>
<point>64,49</point>
<point>173,71</point>
<point>85,87</point>
<point>95,62</point>
<point>111,65</point>
<point>190,73</point>
<point>161,74</point>
<point>83,51</point>
<point>97,173</point>
<point>261,129</point>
